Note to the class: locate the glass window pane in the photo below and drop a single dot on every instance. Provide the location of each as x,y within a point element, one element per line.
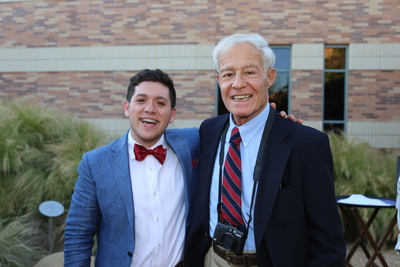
<point>334,96</point>
<point>278,92</point>
<point>334,127</point>
<point>282,58</point>
<point>335,58</point>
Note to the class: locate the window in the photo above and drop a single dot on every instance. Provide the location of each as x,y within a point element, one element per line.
<point>279,91</point>
<point>335,84</point>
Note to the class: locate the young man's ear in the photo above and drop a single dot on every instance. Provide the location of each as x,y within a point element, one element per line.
<point>173,113</point>
<point>126,109</point>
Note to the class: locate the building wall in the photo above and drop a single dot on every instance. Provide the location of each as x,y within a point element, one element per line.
<point>79,55</point>
<point>101,94</point>
<point>59,23</point>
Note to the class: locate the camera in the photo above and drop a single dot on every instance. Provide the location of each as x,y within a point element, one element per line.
<point>230,238</point>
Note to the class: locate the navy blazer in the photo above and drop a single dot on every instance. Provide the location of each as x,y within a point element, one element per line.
<point>296,219</point>
<point>102,202</point>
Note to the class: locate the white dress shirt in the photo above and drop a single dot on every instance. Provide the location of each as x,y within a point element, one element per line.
<point>251,133</point>
<point>159,208</point>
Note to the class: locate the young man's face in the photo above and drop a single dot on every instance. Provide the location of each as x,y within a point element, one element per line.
<point>243,81</point>
<point>149,112</point>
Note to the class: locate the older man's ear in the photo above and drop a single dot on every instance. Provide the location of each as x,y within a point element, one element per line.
<point>284,115</point>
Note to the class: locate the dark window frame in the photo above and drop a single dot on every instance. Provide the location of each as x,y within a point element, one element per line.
<point>336,123</point>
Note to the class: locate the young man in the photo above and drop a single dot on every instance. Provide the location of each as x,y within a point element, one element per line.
<point>136,201</point>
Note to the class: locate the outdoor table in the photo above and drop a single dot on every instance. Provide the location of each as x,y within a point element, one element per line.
<point>356,202</point>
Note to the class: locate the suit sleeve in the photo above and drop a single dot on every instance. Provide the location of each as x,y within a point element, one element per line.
<point>327,245</point>
<point>82,219</point>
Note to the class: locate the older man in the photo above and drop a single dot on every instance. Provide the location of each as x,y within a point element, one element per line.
<point>265,195</point>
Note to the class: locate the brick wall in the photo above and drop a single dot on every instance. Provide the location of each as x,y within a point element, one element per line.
<point>102,23</point>
<point>374,96</point>
<point>101,94</point>
<point>373,93</point>
<point>306,95</point>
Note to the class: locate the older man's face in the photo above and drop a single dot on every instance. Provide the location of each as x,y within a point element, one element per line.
<point>244,83</point>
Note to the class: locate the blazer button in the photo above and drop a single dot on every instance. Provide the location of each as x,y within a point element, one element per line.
<point>130,254</point>
<point>206,234</point>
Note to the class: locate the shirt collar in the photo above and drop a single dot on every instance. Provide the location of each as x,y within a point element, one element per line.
<point>132,142</point>
<point>250,128</point>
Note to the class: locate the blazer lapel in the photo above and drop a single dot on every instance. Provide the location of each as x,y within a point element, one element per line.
<point>119,161</point>
<point>275,156</point>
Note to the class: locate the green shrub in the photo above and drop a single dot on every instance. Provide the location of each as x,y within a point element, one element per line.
<point>40,149</point>
<point>21,242</point>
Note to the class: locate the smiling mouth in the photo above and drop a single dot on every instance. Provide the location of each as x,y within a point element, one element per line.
<point>148,121</point>
<point>241,97</point>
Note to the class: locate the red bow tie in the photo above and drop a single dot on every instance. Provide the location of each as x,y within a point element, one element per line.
<point>141,153</point>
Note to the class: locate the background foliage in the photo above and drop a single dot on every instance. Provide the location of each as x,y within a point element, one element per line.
<point>40,149</point>
<point>361,169</point>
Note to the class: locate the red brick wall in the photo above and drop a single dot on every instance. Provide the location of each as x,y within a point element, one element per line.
<point>94,23</point>
<point>306,95</point>
<point>374,95</point>
<point>101,94</point>
<point>104,23</point>
<point>116,23</point>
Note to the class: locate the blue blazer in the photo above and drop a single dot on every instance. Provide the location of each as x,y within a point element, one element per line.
<point>102,202</point>
<point>296,219</point>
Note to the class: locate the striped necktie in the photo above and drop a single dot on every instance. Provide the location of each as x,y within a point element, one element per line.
<point>231,210</point>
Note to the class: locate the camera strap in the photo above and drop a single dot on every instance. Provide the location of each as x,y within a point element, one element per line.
<point>257,167</point>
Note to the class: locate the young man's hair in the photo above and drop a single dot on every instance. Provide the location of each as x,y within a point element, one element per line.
<point>156,75</point>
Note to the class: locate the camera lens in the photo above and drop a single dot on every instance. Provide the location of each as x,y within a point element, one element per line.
<point>229,241</point>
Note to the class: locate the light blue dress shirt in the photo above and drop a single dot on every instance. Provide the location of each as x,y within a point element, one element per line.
<point>251,133</point>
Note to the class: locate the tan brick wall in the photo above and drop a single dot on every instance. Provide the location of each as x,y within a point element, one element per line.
<point>104,23</point>
<point>101,94</point>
